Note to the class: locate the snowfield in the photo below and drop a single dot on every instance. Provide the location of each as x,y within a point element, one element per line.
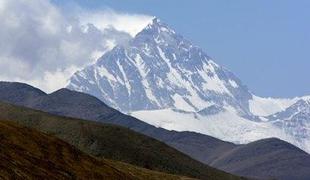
<point>225,125</point>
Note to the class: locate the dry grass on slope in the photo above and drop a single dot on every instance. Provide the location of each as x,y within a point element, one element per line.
<point>28,154</point>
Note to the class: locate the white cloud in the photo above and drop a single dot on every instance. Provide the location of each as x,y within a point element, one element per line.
<point>42,46</point>
<point>130,23</point>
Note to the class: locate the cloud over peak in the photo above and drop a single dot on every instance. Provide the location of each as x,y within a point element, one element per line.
<point>41,45</point>
<point>130,23</point>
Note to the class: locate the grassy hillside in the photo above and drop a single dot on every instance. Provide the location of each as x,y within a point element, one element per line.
<point>113,142</point>
<point>29,154</point>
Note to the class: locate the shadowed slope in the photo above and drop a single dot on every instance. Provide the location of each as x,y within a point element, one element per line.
<point>113,142</point>
<point>19,93</point>
<point>83,106</point>
<point>201,147</point>
<point>271,158</point>
<point>29,154</point>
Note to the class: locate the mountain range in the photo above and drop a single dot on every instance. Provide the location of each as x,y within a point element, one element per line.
<point>163,79</point>
<point>269,158</point>
<point>110,141</point>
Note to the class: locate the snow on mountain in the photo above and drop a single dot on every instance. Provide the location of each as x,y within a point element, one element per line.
<point>160,69</point>
<point>267,106</point>
<point>295,121</point>
<point>260,106</point>
<point>163,79</point>
<point>225,125</point>
<point>291,125</point>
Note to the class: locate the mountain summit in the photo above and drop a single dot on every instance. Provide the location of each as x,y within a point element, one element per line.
<point>160,69</point>
<point>163,79</point>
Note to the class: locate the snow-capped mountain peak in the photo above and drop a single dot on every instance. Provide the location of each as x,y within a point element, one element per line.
<point>161,69</point>
<point>157,26</point>
<point>165,80</point>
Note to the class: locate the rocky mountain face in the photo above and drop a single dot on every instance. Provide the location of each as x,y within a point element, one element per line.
<point>160,69</point>
<point>163,79</point>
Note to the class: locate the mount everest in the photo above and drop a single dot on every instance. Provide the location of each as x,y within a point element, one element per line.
<point>163,79</point>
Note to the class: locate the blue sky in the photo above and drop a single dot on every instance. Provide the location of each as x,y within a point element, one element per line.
<point>266,43</point>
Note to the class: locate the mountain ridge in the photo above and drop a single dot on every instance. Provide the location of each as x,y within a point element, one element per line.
<point>159,73</point>
<point>113,142</point>
<point>199,146</point>
<point>263,156</point>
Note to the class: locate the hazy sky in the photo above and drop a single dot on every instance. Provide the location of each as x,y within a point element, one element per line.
<point>266,43</point>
